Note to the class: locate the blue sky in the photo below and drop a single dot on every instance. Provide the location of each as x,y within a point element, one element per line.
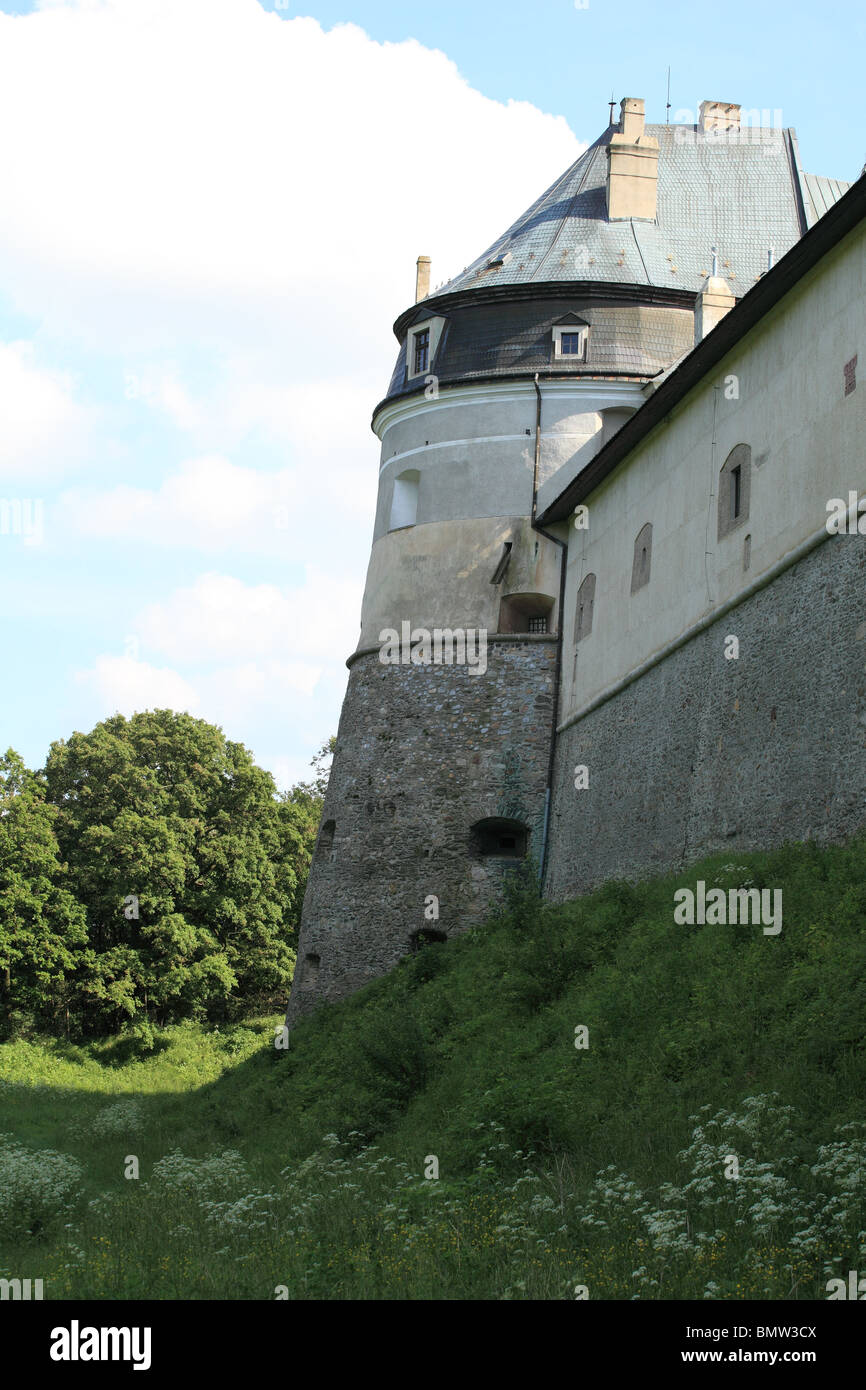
<point>212,210</point>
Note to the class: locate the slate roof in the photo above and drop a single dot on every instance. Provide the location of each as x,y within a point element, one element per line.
<point>744,193</point>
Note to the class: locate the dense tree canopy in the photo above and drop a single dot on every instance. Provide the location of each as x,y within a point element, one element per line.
<point>42,927</point>
<point>184,880</point>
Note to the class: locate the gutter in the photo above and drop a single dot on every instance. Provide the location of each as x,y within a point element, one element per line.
<point>560,619</point>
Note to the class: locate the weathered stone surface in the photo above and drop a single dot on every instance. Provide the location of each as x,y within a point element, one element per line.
<point>423,752</point>
<point>703,753</point>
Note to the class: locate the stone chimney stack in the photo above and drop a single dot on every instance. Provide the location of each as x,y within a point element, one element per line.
<point>633,166</point>
<point>719,115</point>
<point>715,299</point>
<point>422,278</point>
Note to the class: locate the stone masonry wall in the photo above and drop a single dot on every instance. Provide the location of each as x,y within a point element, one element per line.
<point>703,753</point>
<point>423,752</point>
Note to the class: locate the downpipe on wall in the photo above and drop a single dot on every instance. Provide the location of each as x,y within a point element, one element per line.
<point>557,679</point>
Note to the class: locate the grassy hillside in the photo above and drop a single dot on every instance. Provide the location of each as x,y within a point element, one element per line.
<point>558,1167</point>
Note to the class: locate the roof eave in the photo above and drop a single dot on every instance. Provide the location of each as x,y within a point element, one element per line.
<point>827,232</point>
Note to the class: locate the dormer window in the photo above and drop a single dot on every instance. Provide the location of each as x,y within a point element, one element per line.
<point>422,345</point>
<point>421,351</point>
<point>570,340</point>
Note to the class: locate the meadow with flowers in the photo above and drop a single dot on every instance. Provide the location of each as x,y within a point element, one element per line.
<point>563,1171</point>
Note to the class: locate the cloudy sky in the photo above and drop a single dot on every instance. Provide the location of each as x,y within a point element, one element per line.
<point>211,211</point>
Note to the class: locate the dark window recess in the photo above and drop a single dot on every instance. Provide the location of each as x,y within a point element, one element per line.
<point>538,624</point>
<point>517,612</point>
<point>734,489</point>
<point>326,838</point>
<point>422,350</point>
<point>585,606</point>
<point>850,371</point>
<point>571,344</point>
<point>499,572</point>
<point>499,838</point>
<point>310,977</point>
<point>643,550</point>
<point>426,936</point>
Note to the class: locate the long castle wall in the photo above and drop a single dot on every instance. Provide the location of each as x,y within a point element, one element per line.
<point>423,752</point>
<point>702,753</point>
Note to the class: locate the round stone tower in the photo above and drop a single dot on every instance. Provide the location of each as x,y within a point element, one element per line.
<point>507,380</point>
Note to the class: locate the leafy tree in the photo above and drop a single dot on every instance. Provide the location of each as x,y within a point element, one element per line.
<point>302,807</point>
<point>189,867</point>
<point>42,928</point>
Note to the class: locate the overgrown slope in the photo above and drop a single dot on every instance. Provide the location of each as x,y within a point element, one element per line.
<point>606,1167</point>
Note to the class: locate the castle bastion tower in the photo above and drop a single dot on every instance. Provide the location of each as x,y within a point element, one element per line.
<point>507,382</point>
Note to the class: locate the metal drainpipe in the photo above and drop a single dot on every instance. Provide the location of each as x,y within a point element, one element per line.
<point>560,616</point>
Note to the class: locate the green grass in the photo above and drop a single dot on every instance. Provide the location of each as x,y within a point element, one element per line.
<point>558,1167</point>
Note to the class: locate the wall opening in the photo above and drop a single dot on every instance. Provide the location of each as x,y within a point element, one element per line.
<point>735,486</point>
<point>643,554</point>
<point>404,500</point>
<point>310,975</point>
<point>499,838</point>
<point>585,608</point>
<point>522,612</point>
<point>426,936</point>
<point>326,839</point>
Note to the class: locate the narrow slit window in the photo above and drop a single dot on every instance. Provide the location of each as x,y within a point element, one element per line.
<point>585,606</point>
<point>643,547</point>
<point>736,491</point>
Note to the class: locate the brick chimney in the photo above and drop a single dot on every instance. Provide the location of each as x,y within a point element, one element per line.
<point>633,166</point>
<point>422,278</point>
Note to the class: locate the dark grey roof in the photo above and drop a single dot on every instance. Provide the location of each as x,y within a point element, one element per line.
<point>821,194</point>
<point>512,337</point>
<point>744,194</point>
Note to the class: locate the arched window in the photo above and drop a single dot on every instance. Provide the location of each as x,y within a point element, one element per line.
<point>499,838</point>
<point>585,606</point>
<point>643,554</point>
<point>735,482</point>
<point>404,501</point>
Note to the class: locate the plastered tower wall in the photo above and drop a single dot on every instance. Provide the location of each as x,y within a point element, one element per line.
<point>426,751</point>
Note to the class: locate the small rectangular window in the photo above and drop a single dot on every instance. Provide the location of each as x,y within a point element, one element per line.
<point>571,343</point>
<point>736,491</point>
<point>422,350</point>
<point>537,624</point>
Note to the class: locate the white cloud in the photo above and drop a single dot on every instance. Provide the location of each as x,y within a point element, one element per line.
<point>224,208</point>
<point>219,170</point>
<point>212,504</point>
<point>122,684</point>
<point>43,430</point>
<point>220,619</point>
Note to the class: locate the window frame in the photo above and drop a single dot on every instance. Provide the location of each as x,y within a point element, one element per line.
<point>569,330</point>
<point>733,493</point>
